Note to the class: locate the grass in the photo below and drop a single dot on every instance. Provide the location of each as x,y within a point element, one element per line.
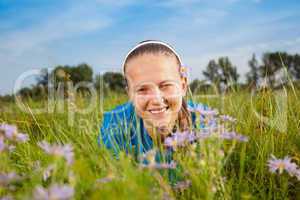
<point>241,173</point>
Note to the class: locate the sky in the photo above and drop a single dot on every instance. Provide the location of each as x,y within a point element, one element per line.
<point>37,34</point>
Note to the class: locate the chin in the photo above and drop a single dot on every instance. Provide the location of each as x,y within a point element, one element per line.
<point>162,125</point>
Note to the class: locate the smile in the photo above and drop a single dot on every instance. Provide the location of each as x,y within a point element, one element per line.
<point>158,110</point>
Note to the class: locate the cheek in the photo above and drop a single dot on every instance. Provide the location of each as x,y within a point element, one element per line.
<point>140,105</point>
<point>175,104</point>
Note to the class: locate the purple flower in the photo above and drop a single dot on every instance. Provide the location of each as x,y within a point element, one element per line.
<point>171,165</point>
<point>199,108</point>
<point>6,198</point>
<point>182,185</point>
<point>2,144</point>
<point>203,134</point>
<point>10,132</point>
<point>57,192</point>
<point>279,165</point>
<point>110,177</point>
<point>234,136</point>
<point>47,173</point>
<point>184,71</point>
<point>179,139</point>
<point>227,118</point>
<point>6,179</point>
<point>149,157</point>
<point>21,137</point>
<point>105,180</point>
<point>65,151</point>
<point>297,174</point>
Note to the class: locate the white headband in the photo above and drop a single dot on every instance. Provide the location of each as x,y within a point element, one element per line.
<point>150,42</point>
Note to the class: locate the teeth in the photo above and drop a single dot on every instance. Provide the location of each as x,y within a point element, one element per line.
<point>158,111</point>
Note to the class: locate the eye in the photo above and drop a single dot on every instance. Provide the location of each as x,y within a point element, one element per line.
<point>166,85</point>
<point>142,90</point>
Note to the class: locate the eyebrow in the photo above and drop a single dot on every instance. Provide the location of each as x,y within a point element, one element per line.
<point>162,82</point>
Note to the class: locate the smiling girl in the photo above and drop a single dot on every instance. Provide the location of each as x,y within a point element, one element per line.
<point>156,87</point>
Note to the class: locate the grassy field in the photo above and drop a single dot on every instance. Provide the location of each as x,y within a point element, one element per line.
<point>213,169</point>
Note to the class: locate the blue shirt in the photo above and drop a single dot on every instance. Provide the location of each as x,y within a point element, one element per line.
<point>123,130</point>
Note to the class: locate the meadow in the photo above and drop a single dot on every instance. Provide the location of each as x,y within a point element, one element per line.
<point>213,168</point>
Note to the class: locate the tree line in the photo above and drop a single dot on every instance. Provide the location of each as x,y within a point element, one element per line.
<point>274,70</point>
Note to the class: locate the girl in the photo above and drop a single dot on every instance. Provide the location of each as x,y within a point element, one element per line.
<point>156,87</point>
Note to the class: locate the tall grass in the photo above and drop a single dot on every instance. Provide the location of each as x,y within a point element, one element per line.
<point>241,173</point>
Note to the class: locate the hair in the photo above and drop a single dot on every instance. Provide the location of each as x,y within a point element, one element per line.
<point>156,47</point>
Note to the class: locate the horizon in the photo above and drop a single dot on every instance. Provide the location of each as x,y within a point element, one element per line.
<point>37,34</point>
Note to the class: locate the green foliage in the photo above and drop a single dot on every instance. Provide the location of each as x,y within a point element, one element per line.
<point>222,72</point>
<point>98,175</point>
<point>111,81</point>
<point>253,75</point>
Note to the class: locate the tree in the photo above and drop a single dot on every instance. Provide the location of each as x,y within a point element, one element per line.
<point>81,72</point>
<point>212,73</point>
<point>112,81</point>
<point>229,72</point>
<point>295,70</point>
<point>253,75</point>
<point>272,68</point>
<point>43,78</point>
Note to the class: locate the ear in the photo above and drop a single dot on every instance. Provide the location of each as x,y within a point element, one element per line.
<point>184,84</point>
<point>183,77</point>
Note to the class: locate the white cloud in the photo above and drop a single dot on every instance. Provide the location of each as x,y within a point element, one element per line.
<point>72,22</point>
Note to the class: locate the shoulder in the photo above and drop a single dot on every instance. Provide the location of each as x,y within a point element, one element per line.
<point>118,115</point>
<point>193,106</point>
<point>113,131</point>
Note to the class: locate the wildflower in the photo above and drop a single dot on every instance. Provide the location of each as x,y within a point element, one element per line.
<point>227,118</point>
<point>10,132</point>
<point>7,130</point>
<point>279,165</point>
<point>11,148</point>
<point>208,112</point>
<point>6,179</point>
<point>171,165</point>
<point>179,139</point>
<point>199,108</point>
<point>297,174</point>
<point>182,185</point>
<point>205,133</point>
<point>149,159</point>
<point>55,192</point>
<point>47,173</point>
<point>104,180</point>
<point>2,144</point>
<point>6,198</point>
<point>36,165</point>
<point>65,151</point>
<point>184,71</point>
<point>21,137</point>
<point>233,136</point>
<point>107,179</point>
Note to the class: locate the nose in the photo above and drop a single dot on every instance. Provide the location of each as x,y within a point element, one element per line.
<point>157,96</point>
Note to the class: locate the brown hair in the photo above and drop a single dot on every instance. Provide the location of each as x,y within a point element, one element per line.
<point>184,118</point>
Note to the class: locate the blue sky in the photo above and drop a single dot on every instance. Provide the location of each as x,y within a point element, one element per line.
<point>40,34</point>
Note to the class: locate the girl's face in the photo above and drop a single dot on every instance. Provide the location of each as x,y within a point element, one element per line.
<point>156,88</point>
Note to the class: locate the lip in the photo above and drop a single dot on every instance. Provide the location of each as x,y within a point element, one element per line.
<point>158,111</point>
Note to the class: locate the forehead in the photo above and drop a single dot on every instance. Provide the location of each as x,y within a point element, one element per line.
<point>152,68</point>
